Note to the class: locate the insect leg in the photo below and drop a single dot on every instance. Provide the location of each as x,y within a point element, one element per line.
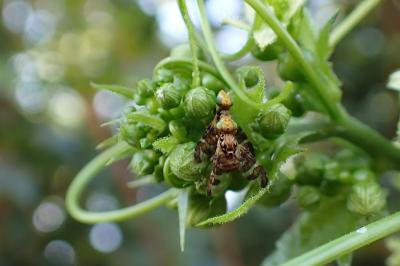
<point>249,166</point>
<point>206,146</point>
<point>213,181</point>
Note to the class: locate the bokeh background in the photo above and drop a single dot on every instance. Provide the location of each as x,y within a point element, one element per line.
<point>50,51</point>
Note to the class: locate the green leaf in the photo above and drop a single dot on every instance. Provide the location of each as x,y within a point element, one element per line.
<point>124,91</point>
<point>165,144</point>
<point>232,215</point>
<point>394,81</point>
<point>313,228</point>
<point>252,83</point>
<point>183,199</point>
<point>147,119</point>
<point>323,49</point>
<point>107,142</point>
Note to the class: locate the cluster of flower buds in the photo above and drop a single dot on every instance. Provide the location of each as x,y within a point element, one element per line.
<point>348,174</point>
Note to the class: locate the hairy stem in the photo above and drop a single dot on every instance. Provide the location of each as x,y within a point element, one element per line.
<point>353,19</point>
<point>319,84</point>
<point>206,29</point>
<point>349,128</point>
<point>88,173</point>
<point>348,243</point>
<point>192,42</point>
<point>186,63</point>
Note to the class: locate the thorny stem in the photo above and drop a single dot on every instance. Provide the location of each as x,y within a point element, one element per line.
<point>362,10</point>
<point>88,173</point>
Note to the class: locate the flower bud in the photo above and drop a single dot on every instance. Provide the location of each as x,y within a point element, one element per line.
<point>273,122</point>
<point>183,164</point>
<point>199,102</point>
<point>212,83</point>
<point>168,96</point>
<point>311,170</point>
<point>170,178</point>
<point>308,196</point>
<point>163,75</point>
<point>177,130</point>
<point>145,88</point>
<point>269,53</point>
<point>289,69</point>
<point>132,133</point>
<point>143,162</point>
<point>202,208</point>
<point>366,198</point>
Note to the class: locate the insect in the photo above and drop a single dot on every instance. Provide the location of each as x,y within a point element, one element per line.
<point>227,146</point>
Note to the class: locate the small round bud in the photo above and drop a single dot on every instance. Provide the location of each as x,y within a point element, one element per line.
<point>289,69</point>
<point>366,198</point>
<point>168,96</point>
<point>308,196</point>
<point>199,102</point>
<point>311,169</point>
<point>183,164</point>
<point>271,52</point>
<point>145,88</point>
<point>273,122</point>
<point>163,75</point>
<point>211,82</point>
<point>177,130</point>
<point>182,83</point>
<point>362,175</point>
<point>170,178</point>
<point>132,133</point>
<point>143,162</point>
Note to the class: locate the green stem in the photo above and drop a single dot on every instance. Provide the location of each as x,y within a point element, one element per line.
<point>319,84</point>
<point>88,173</point>
<point>206,29</point>
<point>187,63</point>
<point>367,138</point>
<point>192,42</point>
<point>247,46</point>
<point>242,52</point>
<point>348,243</point>
<point>354,18</point>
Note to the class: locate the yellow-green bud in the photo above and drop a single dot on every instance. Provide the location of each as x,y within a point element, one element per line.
<point>163,75</point>
<point>366,198</point>
<point>145,88</point>
<point>308,196</point>
<point>183,164</point>
<point>168,96</point>
<point>199,102</point>
<point>177,130</point>
<point>170,178</point>
<point>143,162</point>
<point>212,83</point>
<point>273,122</point>
<point>132,133</point>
